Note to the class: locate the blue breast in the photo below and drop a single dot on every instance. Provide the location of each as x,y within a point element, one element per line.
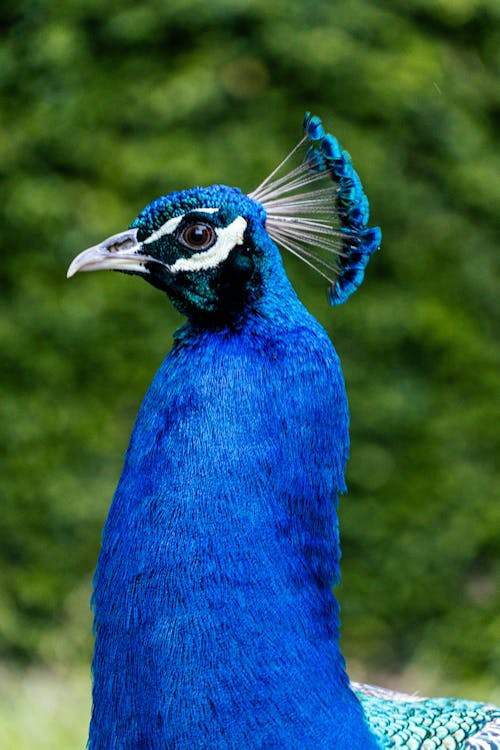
<point>215,622</point>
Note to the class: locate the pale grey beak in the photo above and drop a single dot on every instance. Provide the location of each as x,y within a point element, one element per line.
<point>119,252</point>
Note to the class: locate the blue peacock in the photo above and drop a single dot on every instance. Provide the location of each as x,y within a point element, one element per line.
<point>215,621</point>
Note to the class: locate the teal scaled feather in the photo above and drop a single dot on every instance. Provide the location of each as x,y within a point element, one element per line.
<point>407,721</point>
<point>216,624</point>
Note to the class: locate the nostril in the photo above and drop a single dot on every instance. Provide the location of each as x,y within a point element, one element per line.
<point>115,247</point>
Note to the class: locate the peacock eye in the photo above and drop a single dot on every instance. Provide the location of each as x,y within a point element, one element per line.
<point>199,236</point>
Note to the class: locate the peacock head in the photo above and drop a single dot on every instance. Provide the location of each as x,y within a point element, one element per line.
<point>209,248</point>
<point>204,247</point>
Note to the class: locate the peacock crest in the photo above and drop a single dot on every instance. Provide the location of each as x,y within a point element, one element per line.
<point>318,210</point>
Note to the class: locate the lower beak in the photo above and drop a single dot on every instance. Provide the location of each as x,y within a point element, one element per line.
<point>119,252</point>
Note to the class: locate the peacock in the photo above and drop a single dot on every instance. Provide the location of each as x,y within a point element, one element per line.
<point>216,625</point>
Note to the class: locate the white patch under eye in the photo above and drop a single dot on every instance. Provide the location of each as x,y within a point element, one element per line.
<point>227,238</point>
<point>171,225</point>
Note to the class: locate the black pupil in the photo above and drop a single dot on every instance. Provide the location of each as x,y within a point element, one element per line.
<point>198,235</point>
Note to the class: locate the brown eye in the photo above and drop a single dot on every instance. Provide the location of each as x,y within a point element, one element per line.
<point>198,236</point>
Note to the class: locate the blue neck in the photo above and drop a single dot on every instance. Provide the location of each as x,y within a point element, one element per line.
<point>216,626</point>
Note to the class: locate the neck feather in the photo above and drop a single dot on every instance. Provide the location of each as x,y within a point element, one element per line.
<point>215,621</point>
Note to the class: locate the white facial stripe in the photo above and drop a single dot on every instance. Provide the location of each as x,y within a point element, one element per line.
<point>167,228</point>
<point>227,238</point>
<point>171,225</point>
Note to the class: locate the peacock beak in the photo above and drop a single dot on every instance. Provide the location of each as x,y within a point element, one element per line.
<point>119,252</point>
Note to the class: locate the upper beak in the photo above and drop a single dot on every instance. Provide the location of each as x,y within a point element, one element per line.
<point>120,251</point>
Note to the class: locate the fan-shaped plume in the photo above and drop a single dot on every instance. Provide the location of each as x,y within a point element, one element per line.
<point>318,210</point>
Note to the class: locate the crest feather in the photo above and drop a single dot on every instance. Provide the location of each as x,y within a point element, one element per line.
<point>318,210</point>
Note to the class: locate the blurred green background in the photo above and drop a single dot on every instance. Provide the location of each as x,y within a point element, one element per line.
<point>105,106</point>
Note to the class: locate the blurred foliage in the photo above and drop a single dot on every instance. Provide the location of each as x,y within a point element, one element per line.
<point>103,109</point>
<point>44,709</point>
